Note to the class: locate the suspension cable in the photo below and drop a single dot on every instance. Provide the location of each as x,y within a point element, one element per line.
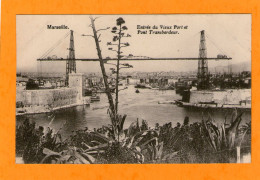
<point>54,46</point>
<point>221,50</point>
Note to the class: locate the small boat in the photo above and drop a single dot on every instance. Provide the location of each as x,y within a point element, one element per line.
<point>88,92</point>
<point>94,98</point>
<point>155,88</point>
<point>166,102</point>
<point>143,86</point>
<point>137,91</point>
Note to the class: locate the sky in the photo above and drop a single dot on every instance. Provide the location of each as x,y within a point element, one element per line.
<point>228,34</point>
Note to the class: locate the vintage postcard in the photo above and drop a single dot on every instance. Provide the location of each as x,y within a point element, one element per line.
<point>133,89</point>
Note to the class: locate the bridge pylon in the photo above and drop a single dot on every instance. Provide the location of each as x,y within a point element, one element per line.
<point>70,62</point>
<point>203,75</point>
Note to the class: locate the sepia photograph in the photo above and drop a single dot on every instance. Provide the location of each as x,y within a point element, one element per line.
<point>133,89</point>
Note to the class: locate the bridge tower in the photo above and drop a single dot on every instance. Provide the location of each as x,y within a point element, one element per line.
<point>70,63</point>
<point>203,76</point>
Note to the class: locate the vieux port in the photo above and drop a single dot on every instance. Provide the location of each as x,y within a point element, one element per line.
<point>74,99</point>
<point>155,102</point>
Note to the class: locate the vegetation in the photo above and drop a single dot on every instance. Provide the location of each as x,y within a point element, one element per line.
<point>200,142</point>
<point>117,120</point>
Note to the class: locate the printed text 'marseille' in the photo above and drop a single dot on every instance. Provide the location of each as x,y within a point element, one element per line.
<point>57,27</point>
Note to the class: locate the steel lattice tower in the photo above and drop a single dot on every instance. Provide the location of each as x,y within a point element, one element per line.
<point>203,77</point>
<point>71,63</point>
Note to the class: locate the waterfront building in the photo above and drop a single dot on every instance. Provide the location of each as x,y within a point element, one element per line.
<point>44,100</point>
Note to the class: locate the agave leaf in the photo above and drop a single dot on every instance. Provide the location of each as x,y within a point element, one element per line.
<point>81,158</point>
<point>159,150</point>
<point>210,119</point>
<point>138,154</point>
<point>151,151</point>
<point>233,140</point>
<point>144,133</point>
<point>122,121</point>
<point>147,142</point>
<point>100,136</point>
<point>156,133</point>
<point>87,146</point>
<point>132,128</point>
<point>216,131</point>
<point>89,157</point>
<point>170,156</point>
<point>48,156</point>
<point>248,127</point>
<point>225,119</point>
<point>136,142</point>
<point>234,115</point>
<point>129,144</point>
<point>232,131</point>
<point>59,161</point>
<point>97,147</point>
<point>208,136</point>
<point>77,161</point>
<point>96,152</point>
<point>214,127</point>
<point>65,158</point>
<point>223,137</point>
<point>137,124</point>
<point>57,138</point>
<point>95,142</point>
<point>50,152</point>
<point>175,137</point>
<point>122,137</point>
<point>69,162</point>
<point>174,134</point>
<point>124,142</point>
<point>234,125</point>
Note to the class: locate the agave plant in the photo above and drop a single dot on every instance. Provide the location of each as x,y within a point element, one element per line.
<point>145,141</point>
<point>71,155</point>
<point>198,142</point>
<point>133,145</point>
<point>30,141</point>
<point>203,142</point>
<point>223,137</point>
<point>139,142</point>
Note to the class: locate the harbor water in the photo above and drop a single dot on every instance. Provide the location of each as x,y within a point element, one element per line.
<point>150,105</point>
